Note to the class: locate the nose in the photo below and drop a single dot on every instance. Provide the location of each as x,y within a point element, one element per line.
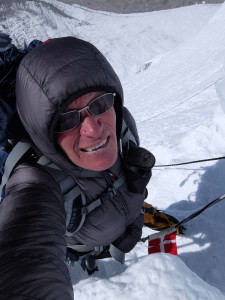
<point>91,126</point>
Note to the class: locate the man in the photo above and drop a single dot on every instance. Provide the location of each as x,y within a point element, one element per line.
<point>70,102</point>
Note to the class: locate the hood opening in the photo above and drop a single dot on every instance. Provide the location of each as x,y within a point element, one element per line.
<point>117,106</point>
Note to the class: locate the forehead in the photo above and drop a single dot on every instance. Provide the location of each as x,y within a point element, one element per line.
<point>84,100</point>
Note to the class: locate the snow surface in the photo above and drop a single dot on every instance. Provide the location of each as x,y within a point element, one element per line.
<point>168,62</point>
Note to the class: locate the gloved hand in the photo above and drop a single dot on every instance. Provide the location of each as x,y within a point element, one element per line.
<point>138,166</point>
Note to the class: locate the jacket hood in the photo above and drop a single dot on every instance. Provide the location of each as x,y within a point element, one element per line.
<point>53,75</point>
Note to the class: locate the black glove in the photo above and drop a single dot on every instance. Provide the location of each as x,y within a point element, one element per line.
<point>138,166</point>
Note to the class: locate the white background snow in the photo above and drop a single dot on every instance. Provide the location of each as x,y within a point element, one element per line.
<point>168,62</point>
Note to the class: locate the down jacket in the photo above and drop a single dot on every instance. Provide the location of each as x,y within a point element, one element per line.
<point>32,215</point>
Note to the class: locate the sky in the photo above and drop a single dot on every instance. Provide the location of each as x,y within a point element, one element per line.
<point>168,62</point>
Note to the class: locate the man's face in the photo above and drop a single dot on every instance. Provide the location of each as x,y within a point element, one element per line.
<point>93,143</point>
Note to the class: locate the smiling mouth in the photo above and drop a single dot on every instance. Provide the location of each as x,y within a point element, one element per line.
<point>96,147</point>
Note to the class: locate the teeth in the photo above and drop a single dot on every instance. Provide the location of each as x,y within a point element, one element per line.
<point>90,149</point>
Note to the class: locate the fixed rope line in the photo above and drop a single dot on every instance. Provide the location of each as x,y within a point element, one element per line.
<point>162,113</point>
<point>189,162</point>
<point>198,212</point>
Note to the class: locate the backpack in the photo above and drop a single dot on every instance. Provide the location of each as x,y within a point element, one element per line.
<point>11,127</point>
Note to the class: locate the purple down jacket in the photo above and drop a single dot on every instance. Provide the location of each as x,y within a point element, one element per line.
<point>33,235</point>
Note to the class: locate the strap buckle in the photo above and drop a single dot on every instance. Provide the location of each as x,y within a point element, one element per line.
<point>112,191</point>
<point>84,210</point>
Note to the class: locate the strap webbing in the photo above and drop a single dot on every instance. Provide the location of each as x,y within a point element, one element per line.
<point>117,254</point>
<point>112,190</point>
<point>109,194</point>
<point>14,156</point>
<point>73,193</point>
<point>121,179</point>
<point>127,135</point>
<point>88,208</point>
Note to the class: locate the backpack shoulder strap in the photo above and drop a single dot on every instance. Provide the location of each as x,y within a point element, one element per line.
<point>65,181</point>
<point>129,132</point>
<point>18,151</point>
<point>127,135</point>
<point>73,197</point>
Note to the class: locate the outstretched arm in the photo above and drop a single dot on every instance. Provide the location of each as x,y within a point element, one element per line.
<point>32,244</point>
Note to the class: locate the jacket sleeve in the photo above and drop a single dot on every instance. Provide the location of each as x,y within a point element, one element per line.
<point>32,244</point>
<point>131,236</point>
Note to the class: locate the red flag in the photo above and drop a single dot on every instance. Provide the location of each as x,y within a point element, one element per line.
<point>160,242</point>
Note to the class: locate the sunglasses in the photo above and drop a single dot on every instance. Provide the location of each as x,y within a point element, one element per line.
<point>96,107</point>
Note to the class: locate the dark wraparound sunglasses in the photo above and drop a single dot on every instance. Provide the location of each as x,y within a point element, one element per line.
<point>96,107</point>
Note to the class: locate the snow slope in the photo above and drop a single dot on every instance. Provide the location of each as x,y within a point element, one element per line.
<point>168,62</point>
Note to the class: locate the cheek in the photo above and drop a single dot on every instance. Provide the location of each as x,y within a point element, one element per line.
<point>65,141</point>
<point>110,119</point>
<point>61,139</point>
